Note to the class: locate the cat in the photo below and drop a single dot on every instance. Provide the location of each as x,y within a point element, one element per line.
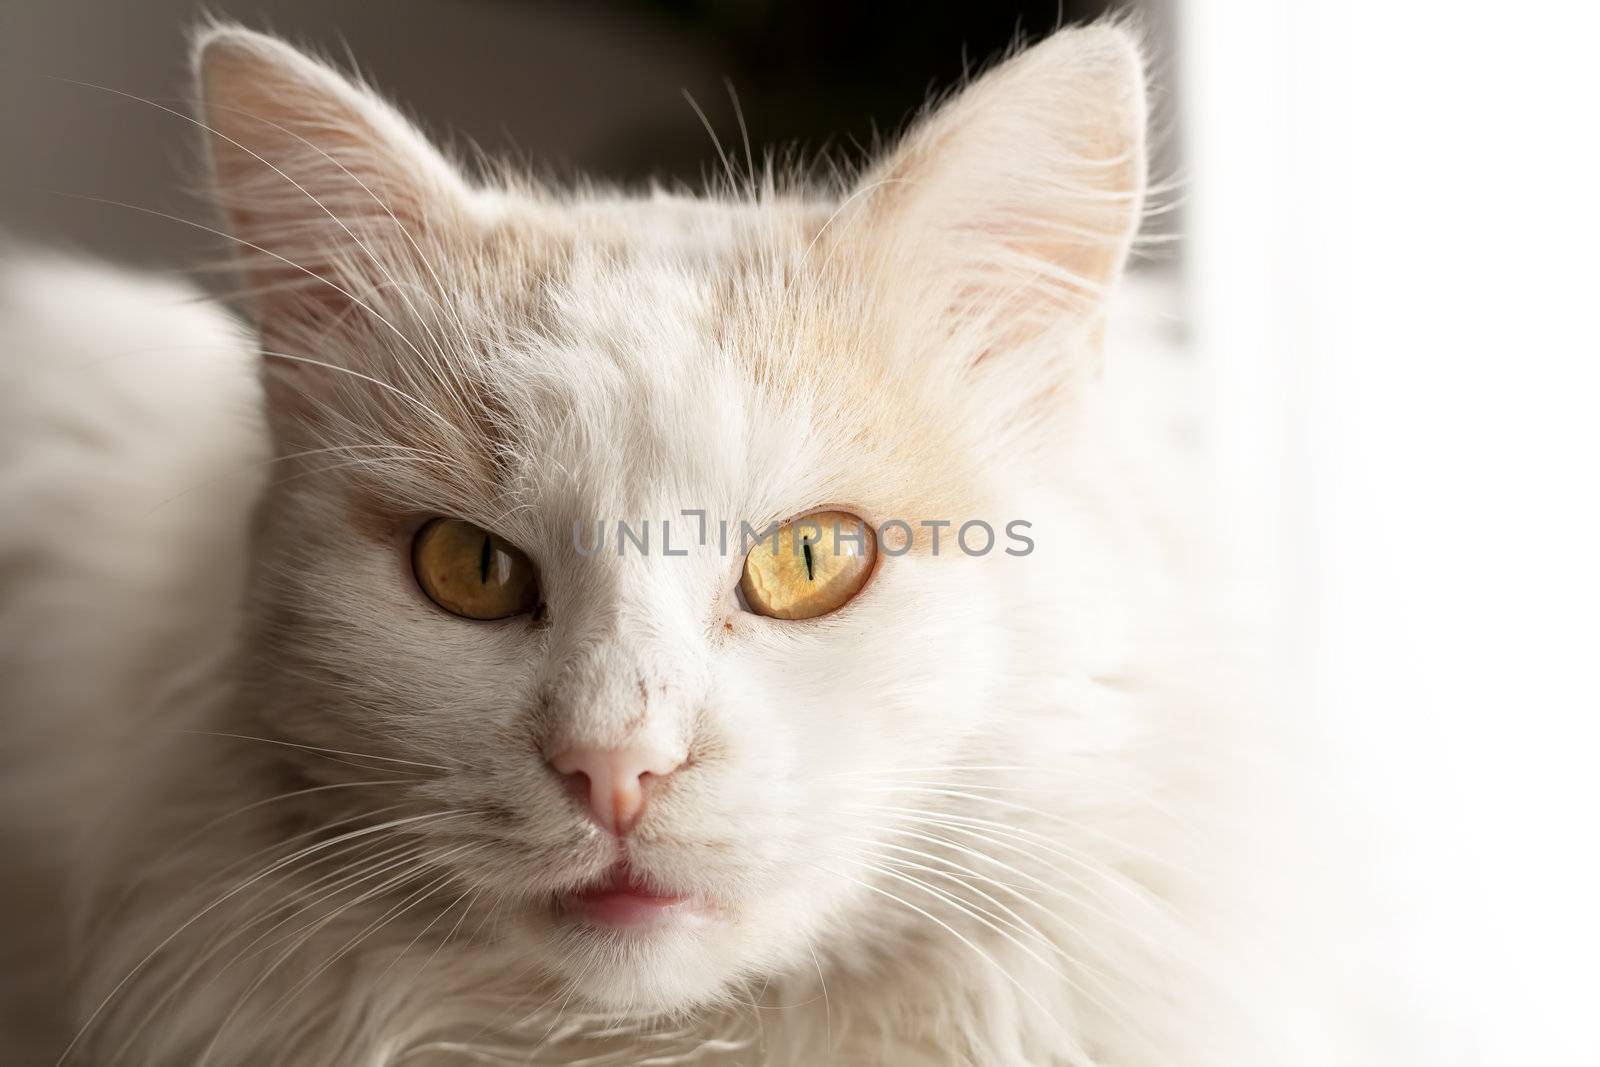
<point>330,740</point>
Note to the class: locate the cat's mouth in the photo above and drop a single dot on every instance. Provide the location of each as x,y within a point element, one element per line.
<point>621,900</point>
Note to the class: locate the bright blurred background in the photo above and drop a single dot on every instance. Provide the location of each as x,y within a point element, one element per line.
<point>1384,273</point>
<point>1393,234</point>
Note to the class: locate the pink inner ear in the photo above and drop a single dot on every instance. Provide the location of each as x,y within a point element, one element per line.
<point>323,178</point>
<point>1014,205</point>
<point>309,234</point>
<point>283,292</point>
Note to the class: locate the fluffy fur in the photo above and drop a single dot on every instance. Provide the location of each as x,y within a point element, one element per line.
<point>298,815</point>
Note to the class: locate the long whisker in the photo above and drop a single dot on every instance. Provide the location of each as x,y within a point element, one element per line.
<point>948,868</point>
<point>827,1006</point>
<point>1091,905</point>
<point>294,843</point>
<point>1074,1047</point>
<point>894,866</point>
<point>218,902</point>
<point>355,300</point>
<point>371,255</point>
<point>396,390</point>
<point>404,230</point>
<point>394,911</point>
<point>1051,817</point>
<point>394,452</point>
<point>1029,844</point>
<point>412,864</point>
<point>1126,1013</point>
<point>353,871</point>
<point>446,910</point>
<point>341,878</point>
<point>433,860</point>
<point>378,262</point>
<point>1153,937</point>
<point>891,782</point>
<point>195,835</point>
<point>316,748</point>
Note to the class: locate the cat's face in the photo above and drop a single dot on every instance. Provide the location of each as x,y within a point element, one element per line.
<point>542,366</point>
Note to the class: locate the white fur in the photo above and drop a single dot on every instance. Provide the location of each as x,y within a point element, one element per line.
<point>986,814</point>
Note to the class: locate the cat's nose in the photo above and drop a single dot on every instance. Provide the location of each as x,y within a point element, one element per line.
<point>613,781</point>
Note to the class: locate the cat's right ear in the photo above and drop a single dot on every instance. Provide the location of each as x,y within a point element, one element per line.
<point>329,194</point>
<point>1009,211</point>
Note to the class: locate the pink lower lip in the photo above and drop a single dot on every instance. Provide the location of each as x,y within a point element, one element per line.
<point>620,901</point>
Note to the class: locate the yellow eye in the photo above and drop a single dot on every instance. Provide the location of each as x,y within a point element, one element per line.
<point>470,572</point>
<point>809,567</point>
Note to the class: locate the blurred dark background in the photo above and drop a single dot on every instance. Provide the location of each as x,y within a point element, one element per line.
<point>564,86</point>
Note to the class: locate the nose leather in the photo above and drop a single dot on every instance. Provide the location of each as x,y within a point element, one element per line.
<point>614,780</point>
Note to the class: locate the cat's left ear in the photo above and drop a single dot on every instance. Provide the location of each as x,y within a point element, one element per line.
<point>1010,210</point>
<point>327,189</point>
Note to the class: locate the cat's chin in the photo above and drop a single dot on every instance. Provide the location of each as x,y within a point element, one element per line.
<point>679,958</point>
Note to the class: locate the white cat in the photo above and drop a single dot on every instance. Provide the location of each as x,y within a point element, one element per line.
<point>357,754</point>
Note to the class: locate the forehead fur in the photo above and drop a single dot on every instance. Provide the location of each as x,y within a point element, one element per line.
<point>503,349</point>
<point>633,357</point>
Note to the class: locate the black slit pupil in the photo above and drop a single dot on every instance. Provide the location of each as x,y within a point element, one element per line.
<point>806,548</point>
<point>484,556</point>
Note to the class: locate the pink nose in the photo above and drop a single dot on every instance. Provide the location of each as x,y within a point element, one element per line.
<point>612,780</point>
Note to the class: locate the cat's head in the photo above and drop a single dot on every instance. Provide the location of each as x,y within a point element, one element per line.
<point>468,381</point>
